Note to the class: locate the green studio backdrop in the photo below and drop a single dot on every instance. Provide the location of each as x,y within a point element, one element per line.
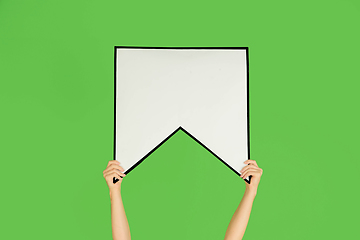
<point>56,96</point>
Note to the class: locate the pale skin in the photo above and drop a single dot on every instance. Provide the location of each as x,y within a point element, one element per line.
<point>119,222</point>
<point>238,222</point>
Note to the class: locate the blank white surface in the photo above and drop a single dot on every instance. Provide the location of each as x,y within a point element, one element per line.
<point>202,90</point>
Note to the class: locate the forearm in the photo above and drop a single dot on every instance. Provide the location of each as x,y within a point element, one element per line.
<point>239,220</point>
<point>119,222</point>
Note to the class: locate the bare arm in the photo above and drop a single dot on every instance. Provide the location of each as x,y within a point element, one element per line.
<point>240,219</point>
<point>119,222</point>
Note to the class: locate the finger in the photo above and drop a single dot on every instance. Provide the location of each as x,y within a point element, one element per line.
<point>247,174</point>
<point>110,177</point>
<point>113,166</point>
<point>114,171</point>
<point>113,161</point>
<point>251,162</point>
<point>253,173</point>
<point>256,169</point>
<point>248,167</point>
<point>248,170</point>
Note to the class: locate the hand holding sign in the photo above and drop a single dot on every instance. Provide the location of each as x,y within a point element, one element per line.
<point>252,170</point>
<point>113,175</point>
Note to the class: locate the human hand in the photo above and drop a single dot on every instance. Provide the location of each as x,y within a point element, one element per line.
<point>112,170</point>
<point>251,169</point>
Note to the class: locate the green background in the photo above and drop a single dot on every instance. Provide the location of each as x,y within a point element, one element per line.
<point>56,95</point>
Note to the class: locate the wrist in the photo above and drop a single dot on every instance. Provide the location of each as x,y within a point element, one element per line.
<point>250,191</point>
<point>115,191</point>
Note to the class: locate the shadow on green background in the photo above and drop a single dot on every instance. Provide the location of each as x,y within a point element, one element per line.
<point>56,95</point>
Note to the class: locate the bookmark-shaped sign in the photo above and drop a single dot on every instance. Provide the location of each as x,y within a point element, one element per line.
<point>202,91</point>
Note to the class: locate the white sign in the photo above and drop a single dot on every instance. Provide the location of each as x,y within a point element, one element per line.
<point>202,91</point>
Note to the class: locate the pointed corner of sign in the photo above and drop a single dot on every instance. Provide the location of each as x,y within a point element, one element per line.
<point>181,128</point>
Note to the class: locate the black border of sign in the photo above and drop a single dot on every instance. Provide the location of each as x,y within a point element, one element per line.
<point>181,128</point>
